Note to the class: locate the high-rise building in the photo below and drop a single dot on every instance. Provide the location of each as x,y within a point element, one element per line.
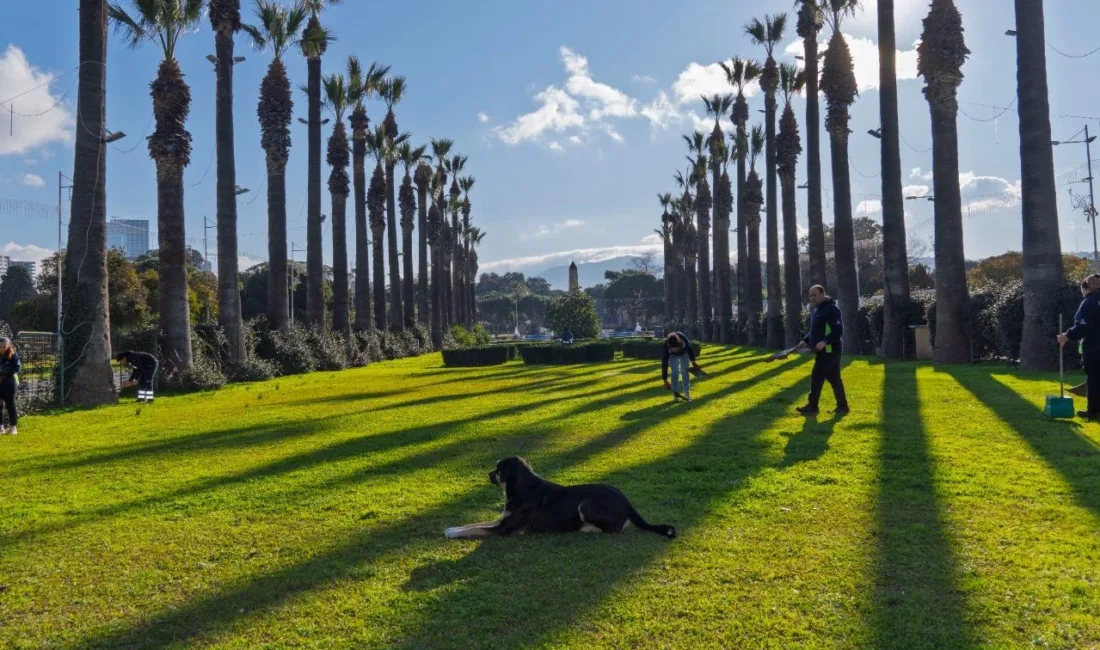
<point>130,235</point>
<point>32,267</point>
<point>3,265</point>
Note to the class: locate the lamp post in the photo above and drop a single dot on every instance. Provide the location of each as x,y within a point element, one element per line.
<point>1091,212</point>
<point>61,178</point>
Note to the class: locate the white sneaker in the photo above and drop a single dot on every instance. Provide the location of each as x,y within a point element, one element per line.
<point>12,431</point>
<point>3,431</point>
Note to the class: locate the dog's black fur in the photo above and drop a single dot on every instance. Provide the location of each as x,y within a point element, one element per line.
<point>539,506</point>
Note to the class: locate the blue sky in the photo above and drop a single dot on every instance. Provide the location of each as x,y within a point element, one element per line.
<point>570,113</point>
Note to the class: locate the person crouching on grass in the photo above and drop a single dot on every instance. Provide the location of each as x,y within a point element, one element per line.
<point>10,366</point>
<point>1086,332</point>
<point>145,369</point>
<point>679,352</point>
<point>826,329</point>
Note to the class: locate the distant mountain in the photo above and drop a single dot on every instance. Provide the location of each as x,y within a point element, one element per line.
<point>589,273</point>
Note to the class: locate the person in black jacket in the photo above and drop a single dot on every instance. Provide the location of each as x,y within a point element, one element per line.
<point>1086,330</point>
<point>679,352</point>
<point>826,329</point>
<point>10,366</point>
<point>145,368</point>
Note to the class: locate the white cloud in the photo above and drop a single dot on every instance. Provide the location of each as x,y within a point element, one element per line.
<point>661,112</point>
<point>613,133</point>
<point>18,75</point>
<point>572,223</point>
<point>601,99</point>
<point>697,80</point>
<point>984,193</point>
<point>32,180</point>
<point>245,262</point>
<point>699,123</point>
<point>915,190</point>
<point>653,238</point>
<point>643,79</point>
<point>25,252</point>
<point>558,112</point>
<point>576,139</point>
<point>482,117</point>
<point>545,231</point>
<point>868,207</point>
<point>865,59</point>
<point>30,162</point>
<point>580,256</point>
<point>916,173</point>
<point>554,146</point>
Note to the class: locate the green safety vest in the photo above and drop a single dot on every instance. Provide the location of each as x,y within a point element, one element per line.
<point>828,331</point>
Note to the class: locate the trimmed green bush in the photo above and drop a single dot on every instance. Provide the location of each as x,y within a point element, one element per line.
<point>488,355</point>
<point>556,353</point>
<point>650,349</point>
<point>576,311</point>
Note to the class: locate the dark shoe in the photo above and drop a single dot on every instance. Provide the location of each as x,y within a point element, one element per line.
<point>1086,415</point>
<point>676,396</point>
<point>840,411</point>
<point>808,410</point>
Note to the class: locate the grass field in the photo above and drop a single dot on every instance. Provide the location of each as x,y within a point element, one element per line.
<point>946,511</point>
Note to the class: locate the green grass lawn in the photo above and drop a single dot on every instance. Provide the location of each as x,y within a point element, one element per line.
<point>946,511</point>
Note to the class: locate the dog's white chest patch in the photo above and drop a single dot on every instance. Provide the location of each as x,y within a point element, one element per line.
<point>589,528</point>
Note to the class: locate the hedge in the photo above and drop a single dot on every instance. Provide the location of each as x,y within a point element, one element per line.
<point>556,353</point>
<point>485,355</point>
<point>650,349</point>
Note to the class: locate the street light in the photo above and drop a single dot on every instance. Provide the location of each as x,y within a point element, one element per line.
<point>238,190</point>
<point>1010,32</point>
<point>305,121</point>
<point>926,197</point>
<point>875,133</point>
<point>804,186</point>
<point>1091,214</point>
<point>113,137</point>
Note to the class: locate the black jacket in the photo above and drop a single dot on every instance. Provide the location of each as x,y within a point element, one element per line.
<point>143,363</point>
<point>667,354</point>
<point>826,324</point>
<point>10,366</point>
<point>1086,323</point>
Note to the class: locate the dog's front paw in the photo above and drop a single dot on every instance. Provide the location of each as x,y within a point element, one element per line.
<point>452,533</point>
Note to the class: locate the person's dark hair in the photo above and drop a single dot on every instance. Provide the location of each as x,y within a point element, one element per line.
<point>121,356</point>
<point>674,341</point>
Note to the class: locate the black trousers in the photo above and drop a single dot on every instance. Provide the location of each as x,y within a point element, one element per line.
<point>1092,374</point>
<point>827,369</point>
<point>7,396</point>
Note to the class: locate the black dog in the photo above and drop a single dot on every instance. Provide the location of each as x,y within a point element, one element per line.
<point>536,505</point>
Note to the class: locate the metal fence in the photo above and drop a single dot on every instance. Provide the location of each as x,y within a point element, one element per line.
<point>38,379</point>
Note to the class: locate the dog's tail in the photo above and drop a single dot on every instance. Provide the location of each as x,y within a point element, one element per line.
<point>660,529</point>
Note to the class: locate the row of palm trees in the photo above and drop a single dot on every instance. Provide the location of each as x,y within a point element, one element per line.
<point>686,219</point>
<point>446,299</point>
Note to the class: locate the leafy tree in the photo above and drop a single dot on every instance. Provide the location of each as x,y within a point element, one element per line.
<point>575,310</point>
<point>16,287</point>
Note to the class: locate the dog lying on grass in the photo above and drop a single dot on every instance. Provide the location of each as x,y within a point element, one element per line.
<point>536,505</point>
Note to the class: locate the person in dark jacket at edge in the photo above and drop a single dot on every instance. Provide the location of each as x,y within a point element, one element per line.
<point>145,368</point>
<point>10,367</point>
<point>679,352</point>
<point>826,329</point>
<point>1086,331</point>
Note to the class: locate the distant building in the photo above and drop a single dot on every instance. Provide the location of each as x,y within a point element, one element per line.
<point>574,277</point>
<point>3,265</point>
<point>32,267</point>
<point>130,235</point>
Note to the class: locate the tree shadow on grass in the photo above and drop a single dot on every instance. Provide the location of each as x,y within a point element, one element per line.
<point>811,443</point>
<point>918,602</point>
<point>1059,443</point>
<point>510,580</point>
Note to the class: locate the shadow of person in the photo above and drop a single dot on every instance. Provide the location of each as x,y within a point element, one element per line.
<point>811,442</point>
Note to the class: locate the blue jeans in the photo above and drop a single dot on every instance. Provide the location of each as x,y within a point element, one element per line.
<point>678,365</point>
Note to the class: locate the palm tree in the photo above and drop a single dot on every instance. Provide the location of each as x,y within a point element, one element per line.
<point>225,19</point>
<point>362,86</point>
<point>447,247</point>
<point>838,82</point>
<point>454,279</point>
<point>669,258</point>
<point>754,199</point>
<point>697,143</point>
<point>940,57</point>
<point>440,151</point>
<point>409,157</point>
<point>689,249</point>
<point>895,273</point>
<point>788,147</point>
<point>423,180</point>
<point>164,22</point>
<point>376,211</point>
<point>392,91</point>
<point>679,276</point>
<point>1042,246</point>
<point>768,33</point>
<point>336,100</point>
<point>739,73</point>
<point>466,184</point>
<point>435,241</point>
<point>810,21</point>
<point>87,350</point>
<point>718,106</point>
<point>314,43</point>
<point>278,30</point>
<point>476,236</point>
<point>723,207</point>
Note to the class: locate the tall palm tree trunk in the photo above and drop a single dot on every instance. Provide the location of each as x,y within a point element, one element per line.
<point>315,267</point>
<point>742,239</point>
<point>1042,245</point>
<point>706,305</point>
<point>668,280</point>
<point>895,275</point>
<point>722,259</point>
<point>792,277</point>
<point>813,168</point>
<point>952,342</point>
<point>87,349</point>
<point>363,309</point>
<point>341,318</point>
<point>775,293</point>
<point>174,307</point>
<point>844,241</point>
<point>422,297</point>
<point>376,205</point>
<point>227,18</point>
<point>278,309</point>
<point>408,217</point>
<point>435,291</point>
<point>396,310</point>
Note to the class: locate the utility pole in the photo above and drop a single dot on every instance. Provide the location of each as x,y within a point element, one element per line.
<point>61,178</point>
<point>1090,213</point>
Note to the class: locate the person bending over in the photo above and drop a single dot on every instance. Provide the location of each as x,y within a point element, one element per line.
<point>1086,330</point>
<point>145,368</point>
<point>679,353</point>
<point>826,329</point>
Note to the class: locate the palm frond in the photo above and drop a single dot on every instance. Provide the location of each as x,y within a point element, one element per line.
<point>336,94</point>
<point>393,90</point>
<point>757,31</point>
<point>315,38</point>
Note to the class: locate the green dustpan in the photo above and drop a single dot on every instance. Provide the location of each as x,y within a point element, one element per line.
<point>1059,406</point>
